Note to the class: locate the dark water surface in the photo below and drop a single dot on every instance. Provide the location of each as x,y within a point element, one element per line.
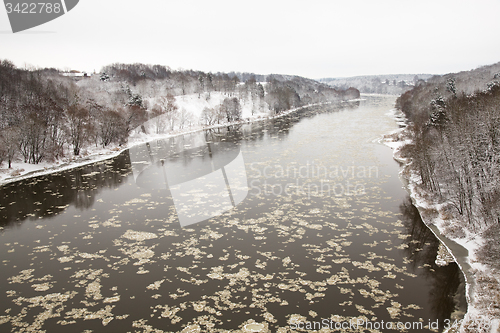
<point>320,230</point>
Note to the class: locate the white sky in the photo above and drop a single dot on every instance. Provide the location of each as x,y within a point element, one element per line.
<point>310,38</point>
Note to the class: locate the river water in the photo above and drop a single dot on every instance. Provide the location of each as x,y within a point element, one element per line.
<point>295,221</point>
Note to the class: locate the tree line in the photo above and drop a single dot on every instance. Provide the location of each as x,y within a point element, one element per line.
<point>455,146</point>
<point>45,116</point>
<point>396,84</point>
<point>42,112</point>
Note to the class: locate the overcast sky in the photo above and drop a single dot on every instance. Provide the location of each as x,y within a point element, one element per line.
<point>310,38</point>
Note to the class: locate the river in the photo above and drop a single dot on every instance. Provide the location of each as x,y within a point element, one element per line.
<point>289,222</point>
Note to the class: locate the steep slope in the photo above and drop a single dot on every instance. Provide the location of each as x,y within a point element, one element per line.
<point>452,150</point>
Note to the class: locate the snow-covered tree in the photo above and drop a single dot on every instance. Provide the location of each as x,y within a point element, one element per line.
<point>104,77</point>
<point>451,86</point>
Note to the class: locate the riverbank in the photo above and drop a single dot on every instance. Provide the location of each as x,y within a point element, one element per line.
<point>20,171</point>
<point>482,280</point>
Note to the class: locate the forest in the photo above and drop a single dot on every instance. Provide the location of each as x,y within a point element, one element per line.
<point>452,149</point>
<point>455,150</point>
<point>46,114</point>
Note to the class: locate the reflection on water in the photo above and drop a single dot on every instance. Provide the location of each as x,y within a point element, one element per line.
<point>321,235</point>
<point>447,292</point>
<point>47,196</point>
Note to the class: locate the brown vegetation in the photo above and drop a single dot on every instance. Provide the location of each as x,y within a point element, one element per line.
<point>43,112</point>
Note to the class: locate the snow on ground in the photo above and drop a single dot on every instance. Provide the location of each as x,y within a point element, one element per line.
<point>92,154</point>
<point>21,170</point>
<point>194,104</point>
<point>476,319</point>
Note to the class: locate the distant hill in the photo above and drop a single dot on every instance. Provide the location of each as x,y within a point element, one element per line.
<point>243,77</point>
<point>468,82</point>
<point>393,84</point>
<point>301,84</point>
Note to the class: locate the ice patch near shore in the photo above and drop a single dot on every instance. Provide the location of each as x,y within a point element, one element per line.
<point>443,257</point>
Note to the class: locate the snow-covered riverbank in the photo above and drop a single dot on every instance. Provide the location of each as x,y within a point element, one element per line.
<point>482,281</point>
<point>94,154</point>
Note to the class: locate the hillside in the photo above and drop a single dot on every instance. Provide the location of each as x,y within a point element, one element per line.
<point>49,116</point>
<point>378,84</point>
<point>452,152</point>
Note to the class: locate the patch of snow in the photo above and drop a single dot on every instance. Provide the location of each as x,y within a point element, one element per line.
<point>90,155</point>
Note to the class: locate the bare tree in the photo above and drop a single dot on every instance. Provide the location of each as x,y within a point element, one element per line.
<point>111,127</point>
<point>211,116</point>
<point>10,143</point>
<point>231,109</point>
<point>170,108</point>
<point>185,118</point>
<point>78,119</point>
<point>157,113</point>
